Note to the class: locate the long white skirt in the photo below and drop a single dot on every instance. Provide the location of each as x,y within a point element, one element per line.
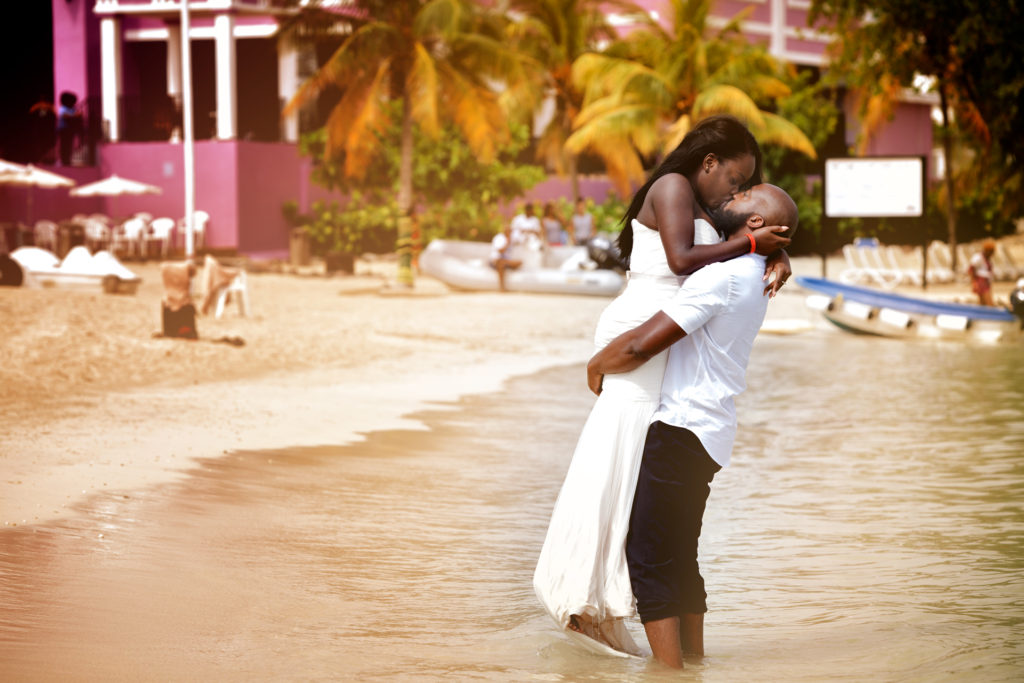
<point>582,567</point>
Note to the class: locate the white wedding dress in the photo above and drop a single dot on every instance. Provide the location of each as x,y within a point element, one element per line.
<point>582,567</point>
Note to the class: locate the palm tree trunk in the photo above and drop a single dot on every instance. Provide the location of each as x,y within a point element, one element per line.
<point>947,152</point>
<point>404,245</point>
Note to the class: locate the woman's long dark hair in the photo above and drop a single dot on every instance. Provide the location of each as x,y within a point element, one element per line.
<point>722,135</point>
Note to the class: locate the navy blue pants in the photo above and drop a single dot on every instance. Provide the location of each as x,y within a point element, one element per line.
<point>661,549</point>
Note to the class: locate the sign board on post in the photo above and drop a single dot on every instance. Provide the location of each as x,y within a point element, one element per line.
<point>874,187</point>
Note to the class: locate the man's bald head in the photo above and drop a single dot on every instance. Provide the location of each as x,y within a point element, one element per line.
<point>761,205</point>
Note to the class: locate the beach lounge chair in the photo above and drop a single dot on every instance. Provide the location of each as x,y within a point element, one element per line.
<point>1014,250</point>
<point>865,264</point>
<point>940,263</point>
<point>907,261</point>
<point>1003,266</point>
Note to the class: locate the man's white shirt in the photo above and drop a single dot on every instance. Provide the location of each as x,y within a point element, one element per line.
<point>522,226</point>
<point>721,308</point>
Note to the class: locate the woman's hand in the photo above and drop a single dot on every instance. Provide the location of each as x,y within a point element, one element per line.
<point>769,239</point>
<point>594,380</point>
<point>777,265</point>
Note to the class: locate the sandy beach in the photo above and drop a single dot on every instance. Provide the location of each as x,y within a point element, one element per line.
<point>93,402</point>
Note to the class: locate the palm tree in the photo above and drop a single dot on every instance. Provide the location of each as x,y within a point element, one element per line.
<point>440,59</point>
<point>644,93</point>
<point>554,34</point>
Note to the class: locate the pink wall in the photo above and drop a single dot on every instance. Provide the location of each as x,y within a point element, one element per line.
<point>268,175</point>
<point>242,185</point>
<point>73,27</point>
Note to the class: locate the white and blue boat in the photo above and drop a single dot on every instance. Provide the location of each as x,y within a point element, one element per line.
<point>862,310</point>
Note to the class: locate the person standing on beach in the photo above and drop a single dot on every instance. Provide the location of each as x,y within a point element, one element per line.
<point>582,223</point>
<point>581,577</point>
<point>525,227</point>
<point>710,326</point>
<point>980,270</point>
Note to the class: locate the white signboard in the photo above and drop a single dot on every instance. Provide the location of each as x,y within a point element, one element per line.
<point>883,187</point>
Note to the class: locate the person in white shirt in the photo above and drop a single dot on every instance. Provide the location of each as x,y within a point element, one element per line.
<point>500,256</point>
<point>709,328</point>
<point>526,227</point>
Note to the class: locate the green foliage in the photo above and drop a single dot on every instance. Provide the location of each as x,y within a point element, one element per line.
<point>608,214</point>
<point>811,106</point>
<point>455,193</point>
<point>358,227</point>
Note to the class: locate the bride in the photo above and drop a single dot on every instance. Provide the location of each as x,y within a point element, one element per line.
<point>581,577</point>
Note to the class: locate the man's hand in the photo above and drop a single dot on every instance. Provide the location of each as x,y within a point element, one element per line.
<point>594,380</point>
<point>777,266</point>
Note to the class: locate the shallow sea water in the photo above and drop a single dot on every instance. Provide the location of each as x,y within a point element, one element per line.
<point>870,528</point>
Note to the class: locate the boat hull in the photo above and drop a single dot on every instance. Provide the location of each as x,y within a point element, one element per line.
<point>862,310</point>
<point>464,265</point>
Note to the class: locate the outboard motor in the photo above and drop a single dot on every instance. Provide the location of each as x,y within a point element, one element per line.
<point>605,254</point>
<point>1017,301</point>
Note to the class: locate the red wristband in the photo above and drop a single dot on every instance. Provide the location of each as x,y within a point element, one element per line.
<point>753,244</point>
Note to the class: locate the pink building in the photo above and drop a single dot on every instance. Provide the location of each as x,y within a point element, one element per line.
<point>781,25</point>
<point>122,58</point>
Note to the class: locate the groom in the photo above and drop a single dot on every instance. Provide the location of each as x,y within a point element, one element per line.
<point>710,326</point>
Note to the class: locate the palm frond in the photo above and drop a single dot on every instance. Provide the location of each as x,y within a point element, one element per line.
<point>421,87</point>
<point>728,99</point>
<point>780,131</point>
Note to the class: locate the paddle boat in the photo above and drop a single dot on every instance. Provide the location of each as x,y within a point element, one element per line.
<point>862,310</point>
<point>99,272</point>
<point>555,270</point>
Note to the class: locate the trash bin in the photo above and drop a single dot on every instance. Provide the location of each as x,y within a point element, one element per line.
<point>298,247</point>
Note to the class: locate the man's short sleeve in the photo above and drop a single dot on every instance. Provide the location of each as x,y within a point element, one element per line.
<point>702,296</point>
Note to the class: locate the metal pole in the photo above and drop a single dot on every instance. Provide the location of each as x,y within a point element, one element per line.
<point>186,116</point>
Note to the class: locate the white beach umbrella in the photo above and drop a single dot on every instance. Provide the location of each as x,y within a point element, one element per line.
<point>7,166</point>
<point>30,176</point>
<point>33,177</point>
<point>114,186</point>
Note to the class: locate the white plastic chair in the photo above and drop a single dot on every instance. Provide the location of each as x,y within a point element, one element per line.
<point>129,236</point>
<point>97,234</point>
<point>160,230</point>
<point>200,219</point>
<point>239,288</point>
<point>45,235</point>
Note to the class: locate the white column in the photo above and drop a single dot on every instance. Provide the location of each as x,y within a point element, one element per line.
<point>227,102</point>
<point>287,86</point>
<point>777,44</point>
<point>174,61</point>
<point>110,75</point>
